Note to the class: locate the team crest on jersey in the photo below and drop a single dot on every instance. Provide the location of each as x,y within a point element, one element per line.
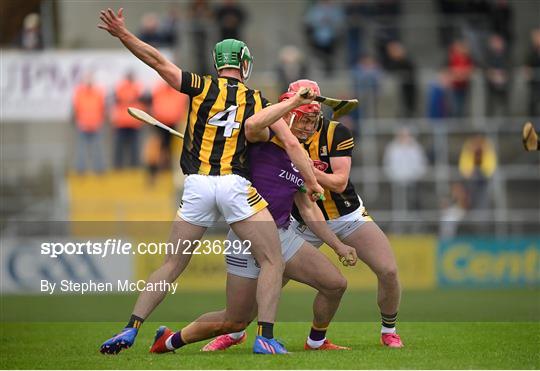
<point>324,151</point>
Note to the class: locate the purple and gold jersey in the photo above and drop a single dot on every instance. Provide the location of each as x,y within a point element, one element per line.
<point>275,177</point>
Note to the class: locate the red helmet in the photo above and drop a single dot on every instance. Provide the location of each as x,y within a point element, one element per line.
<point>305,120</point>
<point>299,84</point>
<point>294,87</point>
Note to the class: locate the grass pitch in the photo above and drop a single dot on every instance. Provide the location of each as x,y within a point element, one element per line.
<point>453,329</point>
<point>428,346</point>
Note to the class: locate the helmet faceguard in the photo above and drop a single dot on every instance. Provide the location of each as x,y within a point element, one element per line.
<point>232,53</point>
<point>305,120</point>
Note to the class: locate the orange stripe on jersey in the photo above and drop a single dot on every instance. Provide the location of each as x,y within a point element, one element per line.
<point>330,134</point>
<point>314,146</point>
<point>345,144</point>
<point>252,192</point>
<point>343,147</point>
<point>195,105</point>
<point>210,131</point>
<point>232,141</point>
<point>258,104</point>
<point>329,205</point>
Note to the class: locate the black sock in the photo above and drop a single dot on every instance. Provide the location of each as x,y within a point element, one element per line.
<point>389,320</point>
<point>265,329</point>
<point>135,321</point>
<point>176,340</point>
<point>317,334</point>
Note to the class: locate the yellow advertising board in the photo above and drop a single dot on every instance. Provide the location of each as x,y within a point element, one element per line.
<point>415,255</point>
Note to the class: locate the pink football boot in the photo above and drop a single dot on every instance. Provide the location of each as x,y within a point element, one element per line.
<point>391,340</point>
<point>223,342</point>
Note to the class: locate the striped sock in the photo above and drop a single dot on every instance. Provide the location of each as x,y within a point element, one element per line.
<point>316,337</point>
<point>317,334</point>
<point>135,321</point>
<point>388,322</point>
<point>265,329</point>
<point>175,341</point>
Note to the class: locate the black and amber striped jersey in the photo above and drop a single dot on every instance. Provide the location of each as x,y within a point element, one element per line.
<point>332,140</point>
<point>214,139</point>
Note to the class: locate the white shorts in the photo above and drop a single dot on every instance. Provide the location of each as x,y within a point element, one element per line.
<point>207,197</point>
<point>342,226</point>
<point>245,265</point>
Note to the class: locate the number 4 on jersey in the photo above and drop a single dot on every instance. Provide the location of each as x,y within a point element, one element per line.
<point>226,119</point>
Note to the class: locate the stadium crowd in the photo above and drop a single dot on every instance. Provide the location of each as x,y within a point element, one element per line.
<point>475,37</point>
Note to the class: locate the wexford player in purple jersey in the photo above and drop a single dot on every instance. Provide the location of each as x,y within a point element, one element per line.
<point>279,182</point>
<point>330,145</point>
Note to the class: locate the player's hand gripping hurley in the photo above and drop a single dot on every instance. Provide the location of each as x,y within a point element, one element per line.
<point>339,106</point>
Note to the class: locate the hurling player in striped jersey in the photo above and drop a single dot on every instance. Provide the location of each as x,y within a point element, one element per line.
<point>330,146</point>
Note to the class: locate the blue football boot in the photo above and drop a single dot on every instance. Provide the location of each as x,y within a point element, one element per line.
<point>122,340</point>
<point>263,345</point>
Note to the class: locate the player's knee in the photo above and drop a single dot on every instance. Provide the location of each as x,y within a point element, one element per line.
<point>336,286</point>
<point>389,274</point>
<point>341,285</point>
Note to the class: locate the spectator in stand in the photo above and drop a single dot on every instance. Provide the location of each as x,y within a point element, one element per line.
<point>532,72</point>
<point>453,210</point>
<point>356,12</point>
<point>449,11</point>
<point>386,29</point>
<point>169,28</point>
<point>89,115</point>
<point>201,20</point>
<point>438,100</point>
<point>149,32</point>
<point>153,34</point>
<point>291,66</point>
<point>30,37</point>
<point>169,107</point>
<point>324,22</point>
<point>405,71</point>
<point>477,164</point>
<point>460,65</point>
<point>502,21</point>
<point>497,76</point>
<point>230,17</point>
<point>405,163</point>
<point>476,26</point>
<point>367,77</point>
<point>127,93</point>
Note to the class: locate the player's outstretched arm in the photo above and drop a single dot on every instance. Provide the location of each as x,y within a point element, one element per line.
<point>314,219</point>
<point>299,157</point>
<point>115,25</point>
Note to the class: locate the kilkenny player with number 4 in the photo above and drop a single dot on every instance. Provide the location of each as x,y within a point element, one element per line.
<point>214,160</point>
<point>279,183</point>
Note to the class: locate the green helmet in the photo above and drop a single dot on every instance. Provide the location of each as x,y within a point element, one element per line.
<point>232,53</point>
